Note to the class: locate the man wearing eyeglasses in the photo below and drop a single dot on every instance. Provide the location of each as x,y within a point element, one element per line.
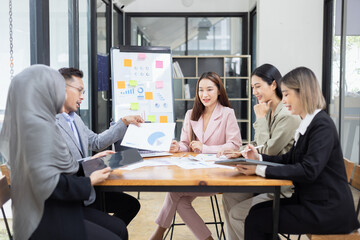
<point>80,139</point>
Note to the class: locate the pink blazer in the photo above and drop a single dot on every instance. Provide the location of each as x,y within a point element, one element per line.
<point>222,131</point>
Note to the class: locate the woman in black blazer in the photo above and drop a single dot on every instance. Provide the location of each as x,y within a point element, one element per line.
<point>322,202</point>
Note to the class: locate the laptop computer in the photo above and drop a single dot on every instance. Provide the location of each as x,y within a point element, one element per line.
<point>246,162</point>
<point>116,160</point>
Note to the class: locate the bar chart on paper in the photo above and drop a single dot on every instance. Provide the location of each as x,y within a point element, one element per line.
<point>142,83</point>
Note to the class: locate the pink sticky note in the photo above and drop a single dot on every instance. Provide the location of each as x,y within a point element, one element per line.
<point>159,84</point>
<point>159,64</point>
<point>141,56</point>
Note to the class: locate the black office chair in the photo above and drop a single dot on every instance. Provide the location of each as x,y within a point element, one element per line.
<point>219,224</point>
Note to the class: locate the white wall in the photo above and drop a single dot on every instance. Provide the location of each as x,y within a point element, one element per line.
<point>252,4</point>
<point>195,6</point>
<point>290,34</point>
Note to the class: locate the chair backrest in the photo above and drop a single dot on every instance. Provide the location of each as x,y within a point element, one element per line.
<point>4,191</point>
<point>356,178</point>
<point>355,182</point>
<point>6,172</point>
<point>349,167</point>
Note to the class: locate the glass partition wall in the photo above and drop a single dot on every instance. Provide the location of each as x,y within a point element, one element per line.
<point>189,34</point>
<point>343,86</point>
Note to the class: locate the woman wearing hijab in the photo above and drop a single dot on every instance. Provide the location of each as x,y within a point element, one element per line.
<point>47,195</point>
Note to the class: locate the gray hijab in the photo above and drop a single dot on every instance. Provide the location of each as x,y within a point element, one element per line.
<point>32,144</point>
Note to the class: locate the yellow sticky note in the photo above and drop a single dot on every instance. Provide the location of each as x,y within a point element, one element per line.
<point>151,118</point>
<point>121,84</point>
<point>163,119</point>
<point>133,83</point>
<point>148,95</point>
<point>134,106</point>
<point>127,63</point>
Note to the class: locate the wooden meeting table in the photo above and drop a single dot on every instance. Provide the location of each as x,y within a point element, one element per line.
<point>176,179</point>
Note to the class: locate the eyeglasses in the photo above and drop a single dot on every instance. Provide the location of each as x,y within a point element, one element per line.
<point>80,89</point>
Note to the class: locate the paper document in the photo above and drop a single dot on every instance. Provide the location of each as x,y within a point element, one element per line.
<point>149,136</point>
<point>206,157</point>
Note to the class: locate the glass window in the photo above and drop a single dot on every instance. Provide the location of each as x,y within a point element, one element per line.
<point>21,46</point>
<point>205,35</point>
<point>118,27</point>
<point>59,34</point>
<point>351,96</point>
<point>344,107</point>
<point>102,61</point>
<point>214,36</point>
<point>84,30</point>
<point>159,31</point>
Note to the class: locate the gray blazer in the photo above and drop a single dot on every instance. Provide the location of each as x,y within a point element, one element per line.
<point>89,140</point>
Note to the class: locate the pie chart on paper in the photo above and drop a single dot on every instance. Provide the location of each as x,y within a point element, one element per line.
<point>156,138</point>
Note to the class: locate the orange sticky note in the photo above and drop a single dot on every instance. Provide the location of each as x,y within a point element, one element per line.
<point>127,63</point>
<point>148,95</point>
<point>121,84</point>
<point>163,119</point>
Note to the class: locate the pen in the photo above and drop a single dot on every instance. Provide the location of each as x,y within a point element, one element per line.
<point>260,146</point>
<point>243,151</point>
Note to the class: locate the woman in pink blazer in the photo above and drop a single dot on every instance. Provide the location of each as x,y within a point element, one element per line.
<point>209,127</point>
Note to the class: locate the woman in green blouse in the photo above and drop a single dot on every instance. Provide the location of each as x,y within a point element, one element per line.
<point>274,129</point>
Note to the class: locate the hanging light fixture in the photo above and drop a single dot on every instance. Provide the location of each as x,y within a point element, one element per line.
<point>204,28</point>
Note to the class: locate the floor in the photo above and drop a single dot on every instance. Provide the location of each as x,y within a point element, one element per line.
<point>143,225</point>
<point>150,207</point>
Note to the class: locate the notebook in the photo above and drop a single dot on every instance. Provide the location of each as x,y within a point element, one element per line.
<point>116,160</point>
<point>246,162</point>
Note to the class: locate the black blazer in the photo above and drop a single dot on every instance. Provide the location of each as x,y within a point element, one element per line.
<point>316,167</point>
<point>63,212</point>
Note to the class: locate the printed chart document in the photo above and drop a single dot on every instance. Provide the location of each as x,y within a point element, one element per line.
<point>149,136</point>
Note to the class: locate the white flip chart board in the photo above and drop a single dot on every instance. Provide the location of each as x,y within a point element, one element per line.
<point>142,83</point>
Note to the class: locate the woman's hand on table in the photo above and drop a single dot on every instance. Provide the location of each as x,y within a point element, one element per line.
<point>196,146</point>
<point>229,153</point>
<point>174,147</point>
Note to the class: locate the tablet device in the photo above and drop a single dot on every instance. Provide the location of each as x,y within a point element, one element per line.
<point>116,160</point>
<point>246,162</point>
